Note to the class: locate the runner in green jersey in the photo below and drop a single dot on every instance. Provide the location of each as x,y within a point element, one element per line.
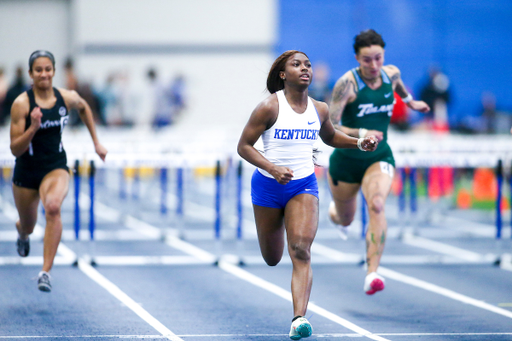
<point>361,105</point>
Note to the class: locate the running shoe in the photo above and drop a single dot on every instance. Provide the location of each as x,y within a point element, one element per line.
<point>342,230</point>
<point>23,247</point>
<point>300,328</point>
<point>43,281</point>
<point>373,283</point>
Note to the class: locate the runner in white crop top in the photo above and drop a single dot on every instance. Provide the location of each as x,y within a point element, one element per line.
<point>284,198</point>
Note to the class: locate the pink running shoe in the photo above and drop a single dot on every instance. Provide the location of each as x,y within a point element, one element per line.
<point>373,283</point>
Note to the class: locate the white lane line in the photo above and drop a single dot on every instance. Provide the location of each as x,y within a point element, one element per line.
<point>148,260</point>
<point>336,255</point>
<point>126,300</point>
<point>34,260</point>
<point>442,248</point>
<point>506,262</point>
<point>339,335</point>
<point>68,255</point>
<point>87,269</point>
<point>436,289</point>
<point>259,282</point>
<point>443,291</point>
<point>240,273</point>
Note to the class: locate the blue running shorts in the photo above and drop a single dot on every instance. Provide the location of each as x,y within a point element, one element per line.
<point>267,192</point>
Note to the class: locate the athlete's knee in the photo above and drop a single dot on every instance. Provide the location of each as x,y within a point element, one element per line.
<point>346,219</point>
<point>340,218</point>
<point>52,208</point>
<point>377,203</point>
<point>300,251</point>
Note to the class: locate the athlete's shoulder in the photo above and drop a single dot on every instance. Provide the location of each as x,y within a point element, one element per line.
<point>269,104</point>
<point>21,102</point>
<point>345,88</point>
<point>391,70</point>
<point>349,75</point>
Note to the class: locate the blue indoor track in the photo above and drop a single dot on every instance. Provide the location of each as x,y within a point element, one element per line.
<point>163,275</point>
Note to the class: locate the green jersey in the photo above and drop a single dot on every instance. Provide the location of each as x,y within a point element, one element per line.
<point>371,110</point>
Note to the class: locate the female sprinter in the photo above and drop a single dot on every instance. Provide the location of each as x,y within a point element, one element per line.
<point>284,189</point>
<point>38,117</point>
<point>363,101</point>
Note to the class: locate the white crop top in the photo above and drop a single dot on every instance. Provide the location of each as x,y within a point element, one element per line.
<point>289,142</point>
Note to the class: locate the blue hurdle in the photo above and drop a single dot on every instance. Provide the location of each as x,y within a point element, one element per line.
<point>163,191</point>
<point>76,178</point>
<point>218,182</point>
<point>499,178</point>
<point>92,222</point>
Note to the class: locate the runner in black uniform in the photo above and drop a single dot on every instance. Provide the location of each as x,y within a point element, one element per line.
<point>38,117</point>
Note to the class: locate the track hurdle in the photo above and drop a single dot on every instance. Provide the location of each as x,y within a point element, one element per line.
<point>76,180</point>
<point>92,222</point>
<point>163,191</point>
<point>240,213</point>
<point>218,183</point>
<point>499,183</point>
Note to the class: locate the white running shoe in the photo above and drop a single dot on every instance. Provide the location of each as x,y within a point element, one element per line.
<point>43,281</point>
<point>373,283</point>
<point>300,328</point>
<point>342,230</point>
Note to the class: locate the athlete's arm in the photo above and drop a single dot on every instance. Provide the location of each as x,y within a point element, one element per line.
<point>262,118</point>
<point>401,90</point>
<point>20,138</point>
<point>344,92</point>
<point>337,138</point>
<point>74,101</point>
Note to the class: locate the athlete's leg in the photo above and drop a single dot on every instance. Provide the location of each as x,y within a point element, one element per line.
<point>26,201</point>
<point>376,187</point>
<point>301,222</point>
<point>269,224</point>
<point>344,196</point>
<point>53,190</point>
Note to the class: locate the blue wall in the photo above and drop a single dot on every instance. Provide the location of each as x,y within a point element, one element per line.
<point>470,40</point>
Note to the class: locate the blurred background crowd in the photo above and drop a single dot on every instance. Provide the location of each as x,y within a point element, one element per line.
<point>115,102</point>
<point>152,65</point>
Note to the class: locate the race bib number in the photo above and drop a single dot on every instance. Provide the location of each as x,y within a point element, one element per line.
<point>387,168</point>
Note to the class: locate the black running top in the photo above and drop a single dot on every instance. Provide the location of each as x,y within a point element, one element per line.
<point>46,145</point>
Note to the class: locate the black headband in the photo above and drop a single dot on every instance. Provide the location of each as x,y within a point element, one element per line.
<point>40,53</point>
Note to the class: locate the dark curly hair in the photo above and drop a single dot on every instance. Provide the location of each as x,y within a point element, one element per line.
<point>366,39</point>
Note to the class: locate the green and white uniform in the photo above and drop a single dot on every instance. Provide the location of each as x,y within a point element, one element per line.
<point>371,110</point>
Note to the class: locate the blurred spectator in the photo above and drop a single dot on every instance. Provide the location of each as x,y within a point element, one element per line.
<point>161,102</point>
<point>72,84</point>
<point>17,88</point>
<point>109,101</point>
<point>436,93</point>
<point>321,86</point>
<point>177,93</point>
<point>85,91</point>
<point>489,113</point>
<point>129,99</point>
<point>3,92</point>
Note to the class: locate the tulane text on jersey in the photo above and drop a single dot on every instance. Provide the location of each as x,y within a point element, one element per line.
<point>367,109</point>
